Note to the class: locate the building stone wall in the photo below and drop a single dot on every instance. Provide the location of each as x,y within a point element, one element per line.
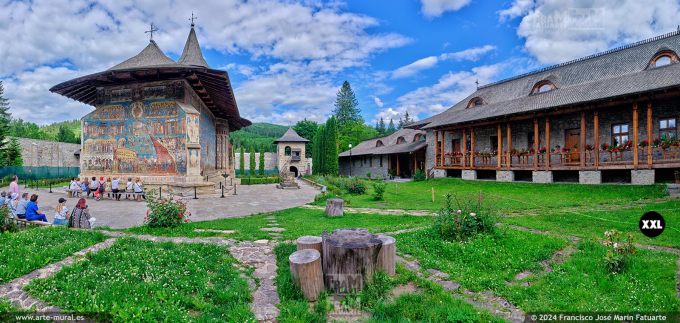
<point>376,165</point>
<point>286,162</point>
<point>36,152</point>
<point>505,175</point>
<point>642,177</point>
<point>469,174</point>
<point>270,161</point>
<point>542,176</point>
<point>589,177</point>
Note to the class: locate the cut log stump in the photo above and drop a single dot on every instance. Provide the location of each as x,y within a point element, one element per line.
<point>334,207</point>
<point>309,242</point>
<point>305,266</point>
<point>387,255</point>
<point>350,258</point>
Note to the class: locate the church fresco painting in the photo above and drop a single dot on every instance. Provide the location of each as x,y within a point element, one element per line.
<point>146,137</point>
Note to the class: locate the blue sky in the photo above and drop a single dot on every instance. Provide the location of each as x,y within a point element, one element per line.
<point>287,59</point>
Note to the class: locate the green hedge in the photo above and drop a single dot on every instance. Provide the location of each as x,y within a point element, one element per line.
<point>259,180</point>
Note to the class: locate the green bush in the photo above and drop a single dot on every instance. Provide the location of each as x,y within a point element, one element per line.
<point>259,180</point>
<point>619,249</point>
<point>165,213</point>
<point>379,190</point>
<point>356,186</point>
<point>464,221</point>
<point>7,224</point>
<point>419,176</point>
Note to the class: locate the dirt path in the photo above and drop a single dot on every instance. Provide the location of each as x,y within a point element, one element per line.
<point>377,211</point>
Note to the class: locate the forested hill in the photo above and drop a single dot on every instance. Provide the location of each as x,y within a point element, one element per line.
<point>257,135</point>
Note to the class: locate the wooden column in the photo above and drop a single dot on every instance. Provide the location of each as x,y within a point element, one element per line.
<point>582,143</point>
<point>596,138</point>
<point>441,147</point>
<point>635,135</point>
<point>464,144</point>
<point>398,170</point>
<point>547,143</point>
<point>472,147</point>
<point>536,148</point>
<point>436,147</point>
<point>650,134</point>
<point>499,151</point>
<point>509,156</point>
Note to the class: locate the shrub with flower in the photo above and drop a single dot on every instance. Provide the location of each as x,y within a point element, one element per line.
<point>7,223</point>
<point>464,221</point>
<point>166,213</point>
<point>356,186</point>
<point>619,249</point>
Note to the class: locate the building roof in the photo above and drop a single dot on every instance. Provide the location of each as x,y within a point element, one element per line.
<point>615,73</point>
<point>389,144</point>
<point>151,64</point>
<point>192,55</point>
<point>291,136</point>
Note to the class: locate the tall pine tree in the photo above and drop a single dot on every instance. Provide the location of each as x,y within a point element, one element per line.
<point>242,161</point>
<point>346,106</point>
<point>4,117</point>
<point>261,165</point>
<point>331,147</point>
<point>251,169</point>
<point>12,153</point>
<point>381,126</point>
<point>390,128</point>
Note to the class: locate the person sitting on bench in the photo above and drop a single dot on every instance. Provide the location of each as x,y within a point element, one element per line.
<point>32,211</point>
<point>21,206</point>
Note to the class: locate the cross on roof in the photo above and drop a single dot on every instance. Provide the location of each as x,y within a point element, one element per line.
<point>192,18</point>
<point>477,82</point>
<point>150,31</point>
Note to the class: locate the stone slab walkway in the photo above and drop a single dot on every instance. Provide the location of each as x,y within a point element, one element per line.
<point>260,255</point>
<point>377,211</point>
<point>251,199</point>
<point>14,292</point>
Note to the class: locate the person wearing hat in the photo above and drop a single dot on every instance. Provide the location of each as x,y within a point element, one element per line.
<point>61,211</point>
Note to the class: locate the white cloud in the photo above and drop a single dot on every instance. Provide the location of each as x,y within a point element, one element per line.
<point>435,8</point>
<point>69,38</point>
<point>378,102</point>
<point>449,89</point>
<point>556,31</point>
<point>471,54</point>
<point>517,9</point>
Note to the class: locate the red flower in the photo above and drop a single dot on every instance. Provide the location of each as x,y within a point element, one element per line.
<point>185,220</point>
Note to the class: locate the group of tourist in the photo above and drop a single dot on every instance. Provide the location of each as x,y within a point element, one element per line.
<point>27,208</point>
<point>110,186</point>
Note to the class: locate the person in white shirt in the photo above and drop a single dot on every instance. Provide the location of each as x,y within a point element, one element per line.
<point>128,187</point>
<point>75,187</point>
<point>60,213</point>
<point>94,186</point>
<point>114,188</point>
<point>138,188</point>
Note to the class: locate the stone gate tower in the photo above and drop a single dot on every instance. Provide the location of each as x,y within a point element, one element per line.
<point>291,154</point>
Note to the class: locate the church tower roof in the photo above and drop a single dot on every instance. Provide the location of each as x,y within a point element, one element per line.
<point>150,56</point>
<point>192,55</point>
<point>291,136</point>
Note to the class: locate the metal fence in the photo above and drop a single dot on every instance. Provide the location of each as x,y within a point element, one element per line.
<point>39,172</point>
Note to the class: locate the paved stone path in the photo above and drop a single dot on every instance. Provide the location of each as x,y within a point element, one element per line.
<point>14,292</point>
<point>558,257</point>
<point>377,211</point>
<point>251,199</point>
<point>486,299</point>
<point>260,255</point>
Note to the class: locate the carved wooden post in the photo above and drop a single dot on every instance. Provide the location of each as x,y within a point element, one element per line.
<point>436,148</point>
<point>509,161</point>
<point>635,135</point>
<point>650,136</point>
<point>596,137</point>
<point>582,144</point>
<point>499,151</point>
<point>464,144</point>
<point>442,146</point>
<point>547,143</point>
<point>536,148</point>
<point>387,255</point>
<point>305,267</point>
<point>472,147</point>
<point>334,207</point>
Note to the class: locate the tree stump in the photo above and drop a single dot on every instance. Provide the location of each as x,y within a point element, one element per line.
<point>309,242</point>
<point>305,266</point>
<point>350,258</point>
<point>387,255</point>
<point>334,207</point>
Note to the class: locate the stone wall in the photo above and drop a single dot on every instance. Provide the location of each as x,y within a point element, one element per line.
<point>377,166</point>
<point>48,153</point>
<point>269,160</point>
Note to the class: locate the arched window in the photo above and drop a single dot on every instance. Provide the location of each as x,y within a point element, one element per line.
<point>543,86</point>
<point>663,58</point>
<point>418,137</point>
<point>379,143</point>
<point>401,140</point>
<point>475,102</point>
<point>287,150</point>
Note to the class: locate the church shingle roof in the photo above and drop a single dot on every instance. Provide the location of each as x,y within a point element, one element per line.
<point>150,56</point>
<point>389,144</point>
<point>192,55</point>
<point>614,73</point>
<point>291,136</point>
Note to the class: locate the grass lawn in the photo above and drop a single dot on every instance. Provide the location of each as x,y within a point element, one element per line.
<point>593,224</point>
<point>137,280</point>
<point>504,196</point>
<point>583,284</point>
<point>31,249</point>
<point>485,261</point>
<point>296,221</point>
<point>5,306</point>
<point>429,304</point>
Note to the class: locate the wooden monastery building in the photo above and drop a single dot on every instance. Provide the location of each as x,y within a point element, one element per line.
<point>611,116</point>
<point>164,121</point>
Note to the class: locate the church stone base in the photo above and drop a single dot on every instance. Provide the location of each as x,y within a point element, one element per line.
<point>542,176</point>
<point>642,177</point>
<point>469,174</point>
<point>590,177</point>
<point>505,176</point>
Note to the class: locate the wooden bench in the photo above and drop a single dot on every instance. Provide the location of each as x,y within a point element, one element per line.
<point>73,193</point>
<point>23,223</point>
